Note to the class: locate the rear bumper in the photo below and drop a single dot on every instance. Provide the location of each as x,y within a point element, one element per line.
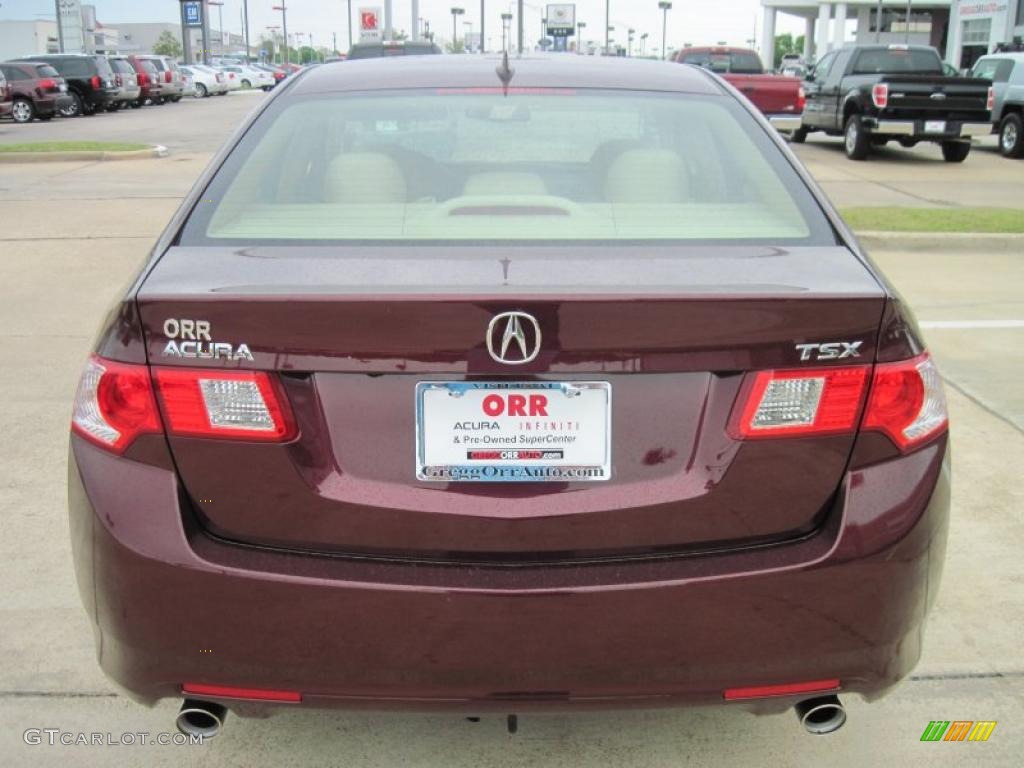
<point>172,605</point>
<point>916,128</point>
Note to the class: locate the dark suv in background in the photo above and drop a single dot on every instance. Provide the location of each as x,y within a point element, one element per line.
<point>89,78</point>
<point>37,89</point>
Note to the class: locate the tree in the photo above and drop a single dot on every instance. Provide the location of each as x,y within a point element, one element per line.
<point>168,45</point>
<point>786,44</point>
<point>459,46</point>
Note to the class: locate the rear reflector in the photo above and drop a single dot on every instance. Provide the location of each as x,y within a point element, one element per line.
<point>237,405</point>
<point>228,692</point>
<point>114,404</point>
<point>907,402</point>
<point>786,689</point>
<point>800,402</point>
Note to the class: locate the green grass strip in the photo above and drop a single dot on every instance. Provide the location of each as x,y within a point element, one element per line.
<point>977,220</point>
<point>73,146</point>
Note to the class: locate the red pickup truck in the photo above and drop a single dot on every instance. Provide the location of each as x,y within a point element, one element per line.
<point>742,68</point>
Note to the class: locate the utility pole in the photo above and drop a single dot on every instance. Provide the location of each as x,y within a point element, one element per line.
<point>245,23</point>
<point>456,12</point>
<point>389,32</point>
<point>483,12</point>
<point>520,27</point>
<point>630,33</point>
<point>878,24</point>
<point>415,23</point>
<point>580,26</point>
<point>643,44</point>
<point>607,26</point>
<point>665,8</point>
<point>60,26</point>
<point>284,24</point>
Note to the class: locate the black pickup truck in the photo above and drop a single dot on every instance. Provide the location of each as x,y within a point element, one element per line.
<point>872,94</point>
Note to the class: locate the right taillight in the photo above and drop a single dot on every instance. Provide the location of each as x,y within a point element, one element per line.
<point>907,402</point>
<point>880,95</point>
<point>48,84</point>
<point>990,102</point>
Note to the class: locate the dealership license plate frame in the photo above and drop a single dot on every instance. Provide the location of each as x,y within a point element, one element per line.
<point>527,471</point>
<point>934,127</point>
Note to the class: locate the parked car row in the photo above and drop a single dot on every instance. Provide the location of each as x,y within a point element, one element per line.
<point>41,86</point>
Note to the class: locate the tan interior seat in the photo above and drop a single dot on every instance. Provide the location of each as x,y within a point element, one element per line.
<point>647,176</point>
<point>504,183</point>
<point>364,177</point>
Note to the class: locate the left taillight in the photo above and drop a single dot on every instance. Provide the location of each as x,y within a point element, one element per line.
<point>880,95</point>
<point>233,405</point>
<point>801,100</point>
<point>114,404</point>
<point>990,102</point>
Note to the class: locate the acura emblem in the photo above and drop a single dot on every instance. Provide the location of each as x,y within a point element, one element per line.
<point>519,340</point>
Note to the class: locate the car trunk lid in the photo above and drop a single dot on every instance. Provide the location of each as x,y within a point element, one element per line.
<point>671,330</point>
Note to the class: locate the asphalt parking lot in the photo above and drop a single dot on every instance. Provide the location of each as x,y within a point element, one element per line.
<point>71,235</point>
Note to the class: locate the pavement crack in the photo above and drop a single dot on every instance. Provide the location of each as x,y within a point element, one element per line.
<point>985,407</point>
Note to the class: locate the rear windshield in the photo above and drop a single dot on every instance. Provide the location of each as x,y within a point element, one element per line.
<point>147,66</point>
<point>537,165</point>
<point>896,60</point>
<point>45,70</point>
<point>736,62</point>
<point>122,66</point>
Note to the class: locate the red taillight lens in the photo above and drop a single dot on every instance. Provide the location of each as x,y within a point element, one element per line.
<point>786,689</point>
<point>229,692</point>
<point>114,404</point>
<point>143,78</point>
<point>880,95</point>
<point>48,84</point>
<point>907,402</point>
<point>801,99</point>
<point>990,103</point>
<point>95,82</point>
<point>801,402</point>
<point>236,405</point>
<point>167,76</point>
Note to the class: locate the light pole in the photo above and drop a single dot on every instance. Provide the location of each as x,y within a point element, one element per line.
<point>543,29</point>
<point>456,12</point>
<point>350,24</point>
<point>520,24</point>
<point>273,43</point>
<point>245,23</point>
<point>643,44</point>
<point>878,25</point>
<point>665,8</point>
<point>506,29</point>
<point>908,22</point>
<point>284,23</point>
<point>483,45</point>
<point>467,34</point>
<point>629,39</point>
<point>607,26</point>
<point>580,26</point>
<point>220,21</point>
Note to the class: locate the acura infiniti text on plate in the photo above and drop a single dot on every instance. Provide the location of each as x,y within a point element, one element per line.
<point>462,385</point>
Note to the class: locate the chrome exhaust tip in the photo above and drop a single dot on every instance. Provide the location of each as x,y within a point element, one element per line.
<point>824,714</point>
<point>200,718</point>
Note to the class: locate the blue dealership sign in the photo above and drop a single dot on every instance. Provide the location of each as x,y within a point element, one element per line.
<point>193,13</point>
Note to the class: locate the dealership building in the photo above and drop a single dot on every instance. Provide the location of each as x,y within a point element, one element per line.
<point>961,30</point>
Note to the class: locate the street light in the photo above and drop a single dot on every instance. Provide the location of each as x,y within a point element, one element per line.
<point>629,39</point>
<point>468,33</point>
<point>284,23</point>
<point>543,28</point>
<point>665,8</point>
<point>643,44</point>
<point>456,12</point>
<point>506,27</point>
<point>580,26</point>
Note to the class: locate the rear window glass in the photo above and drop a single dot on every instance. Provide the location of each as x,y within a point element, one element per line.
<point>122,66</point>
<point>103,66</point>
<point>147,66</point>
<point>45,70</point>
<point>538,165</point>
<point>896,60</point>
<point>737,62</point>
<point>996,70</point>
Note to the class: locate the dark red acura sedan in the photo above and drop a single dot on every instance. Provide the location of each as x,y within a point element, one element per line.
<point>498,388</point>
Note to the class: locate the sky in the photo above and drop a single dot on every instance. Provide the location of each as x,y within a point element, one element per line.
<point>690,21</point>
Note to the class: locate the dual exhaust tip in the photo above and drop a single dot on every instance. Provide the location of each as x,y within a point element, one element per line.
<point>200,718</point>
<point>824,714</point>
<point>821,715</point>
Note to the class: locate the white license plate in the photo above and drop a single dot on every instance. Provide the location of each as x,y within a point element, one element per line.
<point>934,126</point>
<point>537,431</point>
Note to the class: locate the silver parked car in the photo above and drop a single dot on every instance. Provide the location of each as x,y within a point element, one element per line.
<point>127,82</point>
<point>206,80</point>
<point>172,84</point>
<point>1006,72</point>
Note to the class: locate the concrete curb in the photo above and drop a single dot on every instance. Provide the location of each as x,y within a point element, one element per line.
<point>942,242</point>
<point>56,157</point>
